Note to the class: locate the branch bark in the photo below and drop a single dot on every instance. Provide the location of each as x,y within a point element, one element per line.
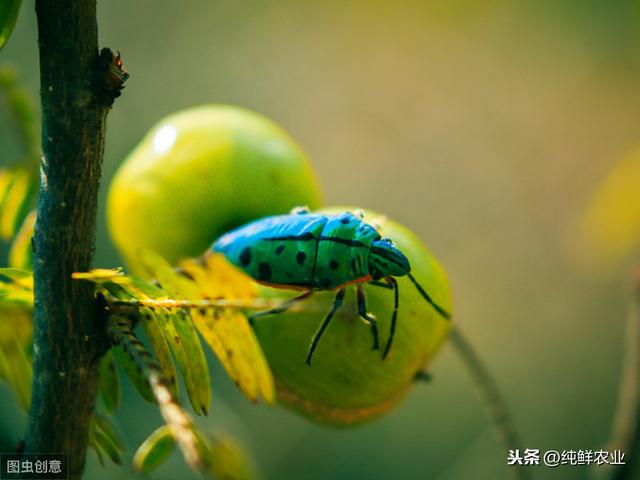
<point>77,86</point>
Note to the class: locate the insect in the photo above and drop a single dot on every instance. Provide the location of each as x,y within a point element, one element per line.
<point>314,251</point>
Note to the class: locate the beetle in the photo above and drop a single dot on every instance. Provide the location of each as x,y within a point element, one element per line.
<point>315,251</point>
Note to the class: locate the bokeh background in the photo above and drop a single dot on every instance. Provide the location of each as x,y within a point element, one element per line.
<point>483,125</point>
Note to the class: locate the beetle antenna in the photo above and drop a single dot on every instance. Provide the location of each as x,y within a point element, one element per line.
<point>446,315</point>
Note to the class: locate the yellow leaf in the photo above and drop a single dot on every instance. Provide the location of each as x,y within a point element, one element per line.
<point>226,331</point>
<point>98,274</point>
<point>17,195</point>
<point>20,252</point>
<point>159,345</point>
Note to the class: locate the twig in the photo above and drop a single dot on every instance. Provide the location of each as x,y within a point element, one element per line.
<point>179,422</point>
<point>494,402</point>
<point>626,424</point>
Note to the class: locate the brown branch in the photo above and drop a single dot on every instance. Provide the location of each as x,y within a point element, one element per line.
<point>626,424</point>
<point>77,86</point>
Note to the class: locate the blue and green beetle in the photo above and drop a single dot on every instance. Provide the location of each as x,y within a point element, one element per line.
<point>314,251</point>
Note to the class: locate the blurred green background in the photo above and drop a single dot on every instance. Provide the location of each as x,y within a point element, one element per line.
<point>482,125</point>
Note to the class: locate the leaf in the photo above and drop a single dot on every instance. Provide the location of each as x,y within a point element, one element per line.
<point>16,368</point>
<point>151,325</point>
<point>96,448</point>
<point>16,201</point>
<point>109,386</point>
<point>226,459</point>
<point>105,435</point>
<point>135,375</point>
<point>214,293</point>
<point>98,274</point>
<point>227,332</point>
<point>134,286</point>
<point>107,447</point>
<point>15,273</point>
<point>8,15</point>
<point>175,285</point>
<point>181,333</point>
<point>154,450</point>
<point>20,254</point>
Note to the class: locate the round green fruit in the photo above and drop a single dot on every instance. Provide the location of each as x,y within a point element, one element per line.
<point>348,382</point>
<point>199,173</point>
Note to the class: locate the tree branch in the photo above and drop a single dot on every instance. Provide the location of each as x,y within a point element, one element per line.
<point>77,86</point>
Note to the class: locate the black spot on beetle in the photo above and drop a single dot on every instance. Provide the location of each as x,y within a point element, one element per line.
<point>279,249</point>
<point>264,272</point>
<point>333,265</point>
<point>245,256</point>
<point>301,257</point>
<point>345,220</point>
<point>324,282</point>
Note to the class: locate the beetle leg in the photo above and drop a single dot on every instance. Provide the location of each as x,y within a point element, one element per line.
<point>337,302</point>
<point>283,307</point>
<point>367,317</point>
<point>394,284</point>
<point>377,283</point>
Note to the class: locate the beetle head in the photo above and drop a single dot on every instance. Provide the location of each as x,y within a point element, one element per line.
<point>385,259</point>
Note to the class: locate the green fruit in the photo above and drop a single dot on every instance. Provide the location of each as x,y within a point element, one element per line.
<point>199,173</point>
<point>348,382</point>
<point>204,171</point>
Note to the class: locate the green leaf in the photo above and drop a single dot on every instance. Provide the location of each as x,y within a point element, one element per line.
<point>185,344</point>
<point>16,368</point>
<point>20,254</point>
<point>183,337</point>
<point>176,285</point>
<point>158,342</point>
<point>154,450</point>
<point>96,448</point>
<point>226,459</point>
<point>107,447</point>
<point>8,15</point>
<point>109,383</point>
<point>135,375</point>
<point>104,438</point>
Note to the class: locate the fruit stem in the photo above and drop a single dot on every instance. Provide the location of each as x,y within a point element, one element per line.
<point>625,434</point>
<point>495,404</point>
